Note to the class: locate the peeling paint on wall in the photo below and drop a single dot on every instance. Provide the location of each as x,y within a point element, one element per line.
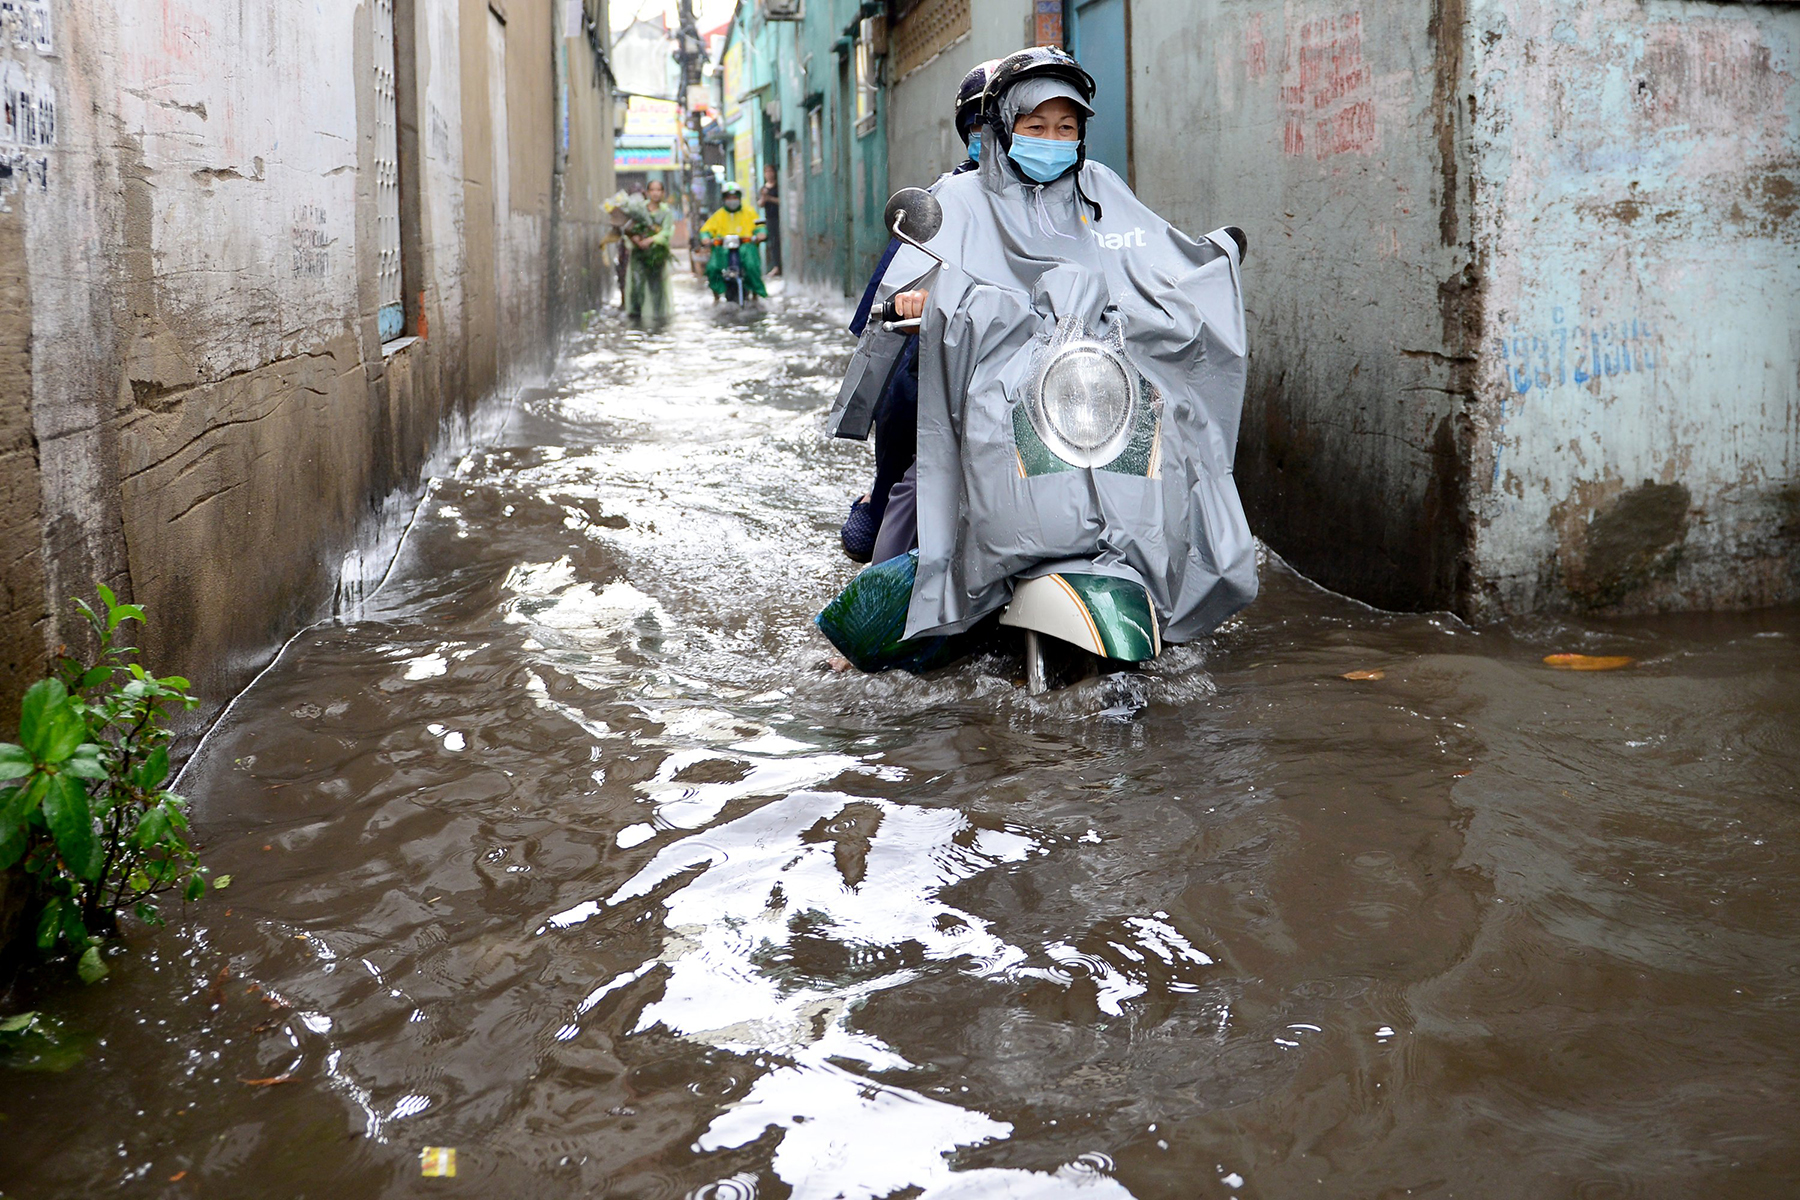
<point>209,279</point>
<point>1514,262</point>
<point>1635,168</point>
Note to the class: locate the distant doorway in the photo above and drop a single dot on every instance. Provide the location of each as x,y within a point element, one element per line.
<point>1097,36</point>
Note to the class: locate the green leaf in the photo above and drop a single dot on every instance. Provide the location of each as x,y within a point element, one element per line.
<point>25,801</point>
<point>90,968</point>
<point>13,844</point>
<point>85,762</point>
<point>152,827</point>
<point>175,681</point>
<point>221,883</point>
<point>155,768</point>
<point>71,823</point>
<point>94,676</point>
<point>124,612</point>
<point>196,887</point>
<point>49,726</point>
<point>93,618</point>
<point>14,761</point>
<point>106,595</point>
<point>49,924</point>
<point>147,912</point>
<point>67,732</point>
<point>16,1023</point>
<point>74,929</point>
<point>41,700</point>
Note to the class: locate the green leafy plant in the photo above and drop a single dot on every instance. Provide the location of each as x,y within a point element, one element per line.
<point>33,1041</point>
<point>83,804</point>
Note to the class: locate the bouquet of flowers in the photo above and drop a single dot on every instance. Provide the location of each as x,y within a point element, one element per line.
<point>631,215</point>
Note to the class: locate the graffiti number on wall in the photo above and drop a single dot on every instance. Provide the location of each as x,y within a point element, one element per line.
<point>1567,354</point>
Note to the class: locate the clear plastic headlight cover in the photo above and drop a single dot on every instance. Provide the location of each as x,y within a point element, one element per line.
<point>1085,403</point>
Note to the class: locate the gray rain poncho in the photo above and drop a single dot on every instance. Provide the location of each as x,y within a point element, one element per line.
<point>1022,257</point>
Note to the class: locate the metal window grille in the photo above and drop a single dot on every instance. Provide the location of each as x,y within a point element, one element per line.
<point>392,315</point>
<point>927,30</point>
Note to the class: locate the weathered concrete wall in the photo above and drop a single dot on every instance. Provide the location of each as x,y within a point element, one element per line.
<point>22,612</point>
<point>220,422</point>
<point>1522,283</point>
<point>1636,167</point>
<point>922,141</point>
<point>1329,133</point>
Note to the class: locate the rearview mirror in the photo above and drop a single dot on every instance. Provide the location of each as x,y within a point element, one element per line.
<point>913,215</point>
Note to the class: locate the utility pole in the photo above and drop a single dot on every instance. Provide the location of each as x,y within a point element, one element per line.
<point>690,52</point>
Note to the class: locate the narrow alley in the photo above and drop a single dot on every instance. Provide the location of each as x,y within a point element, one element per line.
<point>566,852</point>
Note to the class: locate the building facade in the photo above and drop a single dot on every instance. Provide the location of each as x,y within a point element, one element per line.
<point>805,89</point>
<point>255,262</point>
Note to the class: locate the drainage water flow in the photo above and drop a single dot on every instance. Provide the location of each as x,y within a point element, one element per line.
<point>565,852</point>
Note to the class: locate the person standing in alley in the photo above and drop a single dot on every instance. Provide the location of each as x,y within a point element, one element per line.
<point>740,220</point>
<point>647,277</point>
<point>769,199</point>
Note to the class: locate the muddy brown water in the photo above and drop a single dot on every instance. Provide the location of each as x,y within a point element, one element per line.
<point>566,854</point>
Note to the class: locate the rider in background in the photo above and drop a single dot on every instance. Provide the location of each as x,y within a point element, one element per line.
<point>897,415</point>
<point>739,219</point>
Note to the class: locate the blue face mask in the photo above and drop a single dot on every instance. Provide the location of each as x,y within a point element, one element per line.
<point>1044,159</point>
<point>975,146</point>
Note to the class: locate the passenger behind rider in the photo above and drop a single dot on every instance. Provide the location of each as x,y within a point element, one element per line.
<point>897,413</point>
<point>734,218</point>
<point>1046,145</point>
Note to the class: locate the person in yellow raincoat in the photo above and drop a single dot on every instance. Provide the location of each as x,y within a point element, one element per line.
<point>740,219</point>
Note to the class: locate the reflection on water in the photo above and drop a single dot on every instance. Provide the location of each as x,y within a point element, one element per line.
<point>567,853</point>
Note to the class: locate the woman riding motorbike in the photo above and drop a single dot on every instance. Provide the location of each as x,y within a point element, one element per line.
<point>1081,378</point>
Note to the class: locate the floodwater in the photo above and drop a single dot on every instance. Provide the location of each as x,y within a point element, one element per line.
<point>566,853</point>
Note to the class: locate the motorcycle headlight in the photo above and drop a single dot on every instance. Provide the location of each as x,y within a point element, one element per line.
<point>1085,403</point>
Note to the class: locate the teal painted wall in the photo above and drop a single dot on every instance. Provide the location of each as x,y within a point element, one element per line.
<point>833,193</point>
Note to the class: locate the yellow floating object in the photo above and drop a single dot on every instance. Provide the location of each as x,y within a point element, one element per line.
<point>1587,662</point>
<point>437,1162</point>
<point>1377,673</point>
